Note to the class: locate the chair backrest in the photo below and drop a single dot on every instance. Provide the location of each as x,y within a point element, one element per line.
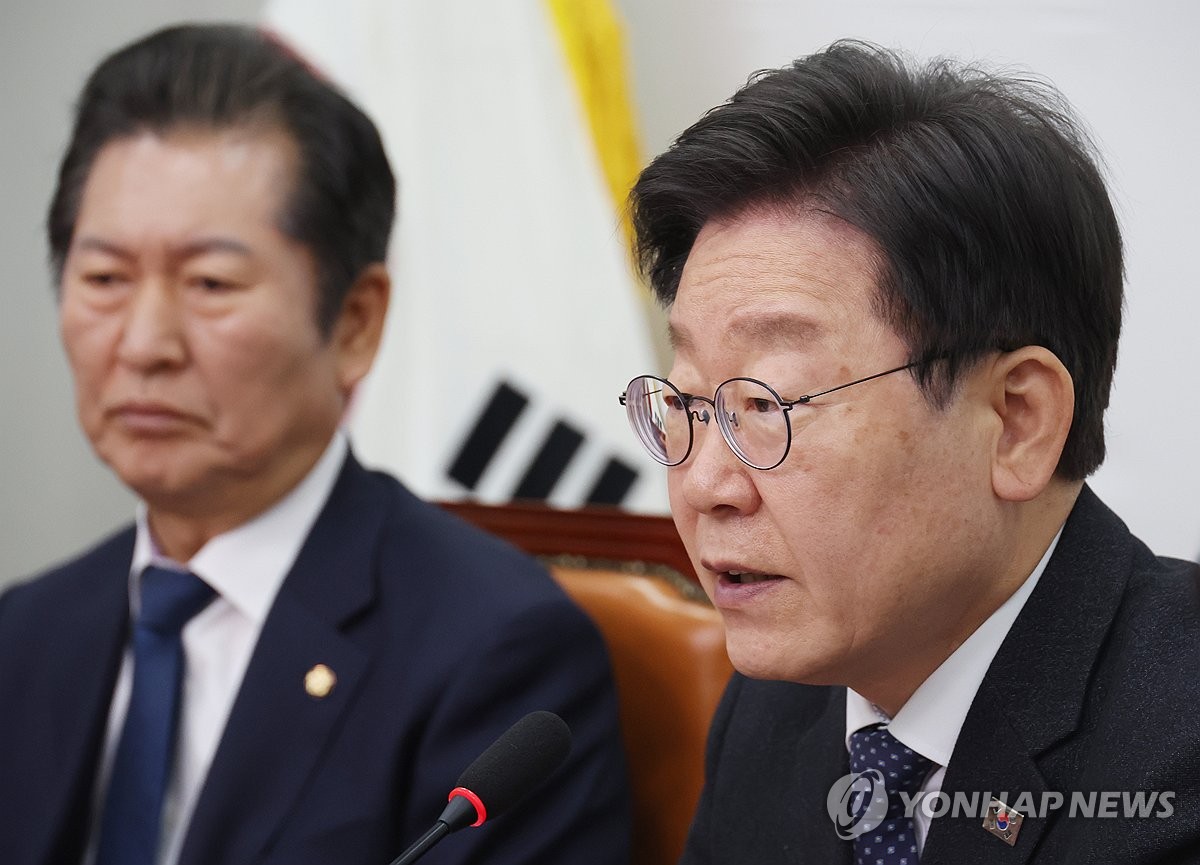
<point>631,574</point>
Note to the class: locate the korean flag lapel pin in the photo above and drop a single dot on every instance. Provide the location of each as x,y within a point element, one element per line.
<point>1003,822</point>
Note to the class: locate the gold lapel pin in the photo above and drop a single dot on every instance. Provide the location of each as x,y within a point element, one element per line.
<point>319,681</point>
<point>1003,822</point>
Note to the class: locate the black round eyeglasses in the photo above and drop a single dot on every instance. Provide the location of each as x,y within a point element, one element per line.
<point>753,418</point>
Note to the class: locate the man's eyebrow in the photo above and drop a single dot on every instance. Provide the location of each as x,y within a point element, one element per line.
<point>783,330</point>
<point>97,244</point>
<point>770,329</point>
<point>213,244</point>
<point>196,247</point>
<point>677,337</point>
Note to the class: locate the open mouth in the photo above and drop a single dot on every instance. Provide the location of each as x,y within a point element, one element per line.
<point>741,578</point>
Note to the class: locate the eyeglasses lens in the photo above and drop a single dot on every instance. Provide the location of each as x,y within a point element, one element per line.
<point>659,416</point>
<point>753,421</point>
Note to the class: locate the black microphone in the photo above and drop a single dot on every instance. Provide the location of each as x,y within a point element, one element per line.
<point>512,766</point>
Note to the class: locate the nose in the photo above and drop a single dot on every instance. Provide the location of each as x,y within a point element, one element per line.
<point>712,478</point>
<point>152,336</point>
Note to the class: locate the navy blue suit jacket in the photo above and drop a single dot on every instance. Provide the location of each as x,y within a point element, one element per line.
<point>1095,689</point>
<point>440,637</point>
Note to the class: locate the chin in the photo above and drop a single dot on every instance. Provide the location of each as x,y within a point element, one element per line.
<point>758,662</point>
<point>759,658</point>
<point>158,492</point>
<point>158,483</point>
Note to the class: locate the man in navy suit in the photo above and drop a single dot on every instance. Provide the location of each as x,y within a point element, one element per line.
<point>895,297</point>
<point>219,232</point>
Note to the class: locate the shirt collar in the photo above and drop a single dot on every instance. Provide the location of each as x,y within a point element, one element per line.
<point>248,564</point>
<point>929,723</point>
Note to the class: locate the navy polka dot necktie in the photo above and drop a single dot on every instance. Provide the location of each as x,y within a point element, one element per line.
<point>130,828</point>
<point>889,837</point>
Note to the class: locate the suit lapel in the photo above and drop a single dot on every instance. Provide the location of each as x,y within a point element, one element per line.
<point>989,761</point>
<point>821,760</point>
<point>1027,709</point>
<point>277,731</point>
<point>77,681</point>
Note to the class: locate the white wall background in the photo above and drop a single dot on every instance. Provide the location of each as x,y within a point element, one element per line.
<point>1126,65</point>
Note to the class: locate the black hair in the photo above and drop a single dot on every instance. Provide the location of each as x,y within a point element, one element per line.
<point>223,76</point>
<point>981,194</point>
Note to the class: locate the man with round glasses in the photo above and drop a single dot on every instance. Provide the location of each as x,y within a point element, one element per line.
<point>896,289</point>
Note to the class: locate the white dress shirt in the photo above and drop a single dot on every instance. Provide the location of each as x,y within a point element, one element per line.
<point>929,723</point>
<point>246,566</point>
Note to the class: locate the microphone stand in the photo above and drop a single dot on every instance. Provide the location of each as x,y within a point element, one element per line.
<point>459,813</point>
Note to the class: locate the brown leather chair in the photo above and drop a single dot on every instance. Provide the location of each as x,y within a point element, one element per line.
<point>633,577</point>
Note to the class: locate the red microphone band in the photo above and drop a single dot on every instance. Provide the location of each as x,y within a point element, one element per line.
<point>474,800</point>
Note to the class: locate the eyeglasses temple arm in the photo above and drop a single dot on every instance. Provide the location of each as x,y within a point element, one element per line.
<point>812,396</point>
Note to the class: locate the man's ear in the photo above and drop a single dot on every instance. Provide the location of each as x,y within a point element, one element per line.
<point>1034,397</point>
<point>359,326</point>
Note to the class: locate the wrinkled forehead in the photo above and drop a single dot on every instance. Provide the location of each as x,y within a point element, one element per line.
<point>775,279</point>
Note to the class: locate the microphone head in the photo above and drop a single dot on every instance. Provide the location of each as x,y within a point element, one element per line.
<point>523,758</point>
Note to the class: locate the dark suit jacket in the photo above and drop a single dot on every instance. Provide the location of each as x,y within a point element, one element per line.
<point>1096,688</point>
<point>440,636</point>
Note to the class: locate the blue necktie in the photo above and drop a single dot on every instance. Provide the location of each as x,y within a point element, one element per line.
<point>130,829</point>
<point>893,841</point>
